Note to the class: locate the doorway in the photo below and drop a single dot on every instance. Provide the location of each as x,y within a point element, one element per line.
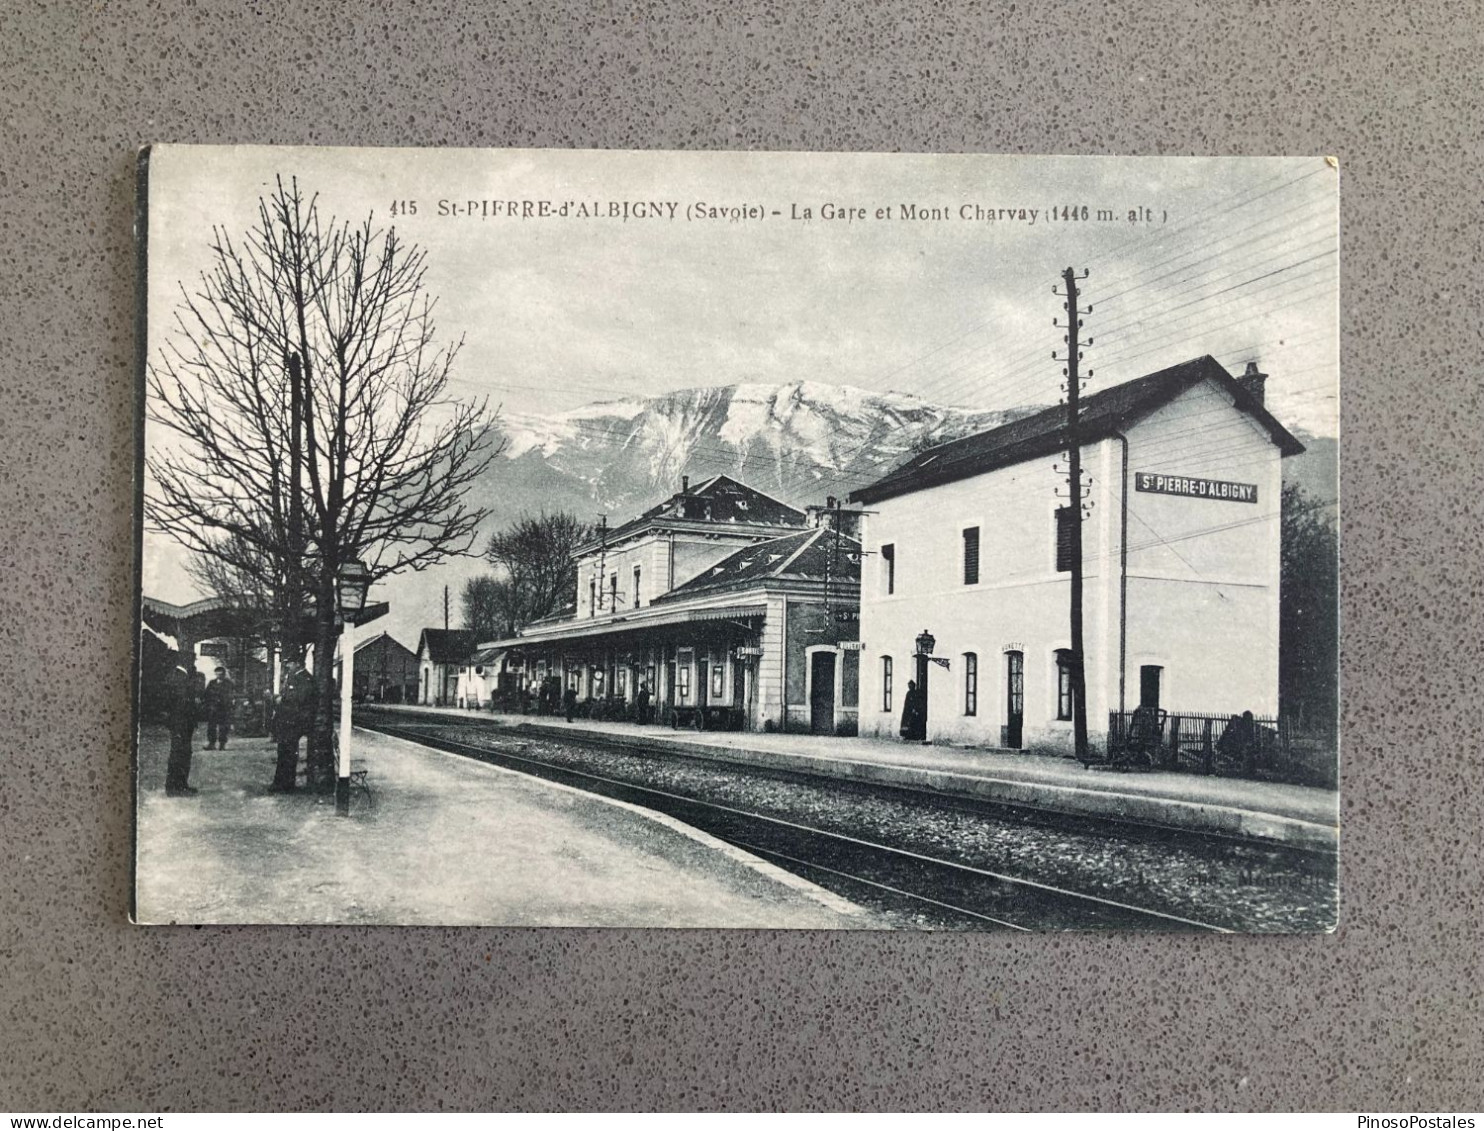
<point>1014,700</point>
<point>1150,676</point>
<point>822,693</point>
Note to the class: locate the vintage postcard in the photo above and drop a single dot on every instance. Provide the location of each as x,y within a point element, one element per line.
<point>783,540</point>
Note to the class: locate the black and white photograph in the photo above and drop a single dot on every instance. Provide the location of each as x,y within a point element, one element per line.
<point>717,539</point>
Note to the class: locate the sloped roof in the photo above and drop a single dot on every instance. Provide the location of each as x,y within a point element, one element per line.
<point>373,641</point>
<point>809,555</point>
<point>1101,415</point>
<point>447,645</point>
<point>720,500</point>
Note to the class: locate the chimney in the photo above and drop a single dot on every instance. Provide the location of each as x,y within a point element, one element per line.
<point>684,484</point>
<point>1253,381</point>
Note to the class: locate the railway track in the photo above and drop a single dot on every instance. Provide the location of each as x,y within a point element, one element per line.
<point>928,889</point>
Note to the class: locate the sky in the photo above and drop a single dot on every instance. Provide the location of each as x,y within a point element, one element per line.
<point>1235,257</point>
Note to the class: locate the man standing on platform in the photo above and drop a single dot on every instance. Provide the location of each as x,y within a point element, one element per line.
<point>293,719</point>
<point>219,700</point>
<point>183,697</point>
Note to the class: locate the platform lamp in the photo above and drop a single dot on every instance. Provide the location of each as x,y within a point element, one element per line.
<point>925,642</point>
<point>351,583</point>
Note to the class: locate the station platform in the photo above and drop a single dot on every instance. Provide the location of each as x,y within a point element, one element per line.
<point>1302,816</point>
<point>442,840</point>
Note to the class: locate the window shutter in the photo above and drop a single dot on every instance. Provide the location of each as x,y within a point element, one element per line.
<point>1064,522</point>
<point>971,556</point>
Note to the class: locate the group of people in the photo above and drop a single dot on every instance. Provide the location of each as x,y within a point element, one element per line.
<point>644,713</point>
<point>190,699</point>
<point>552,699</point>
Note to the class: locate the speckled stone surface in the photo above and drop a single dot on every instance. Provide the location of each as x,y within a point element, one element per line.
<point>99,1015</point>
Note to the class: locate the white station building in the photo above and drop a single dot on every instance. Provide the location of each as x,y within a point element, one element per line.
<point>1182,470</point>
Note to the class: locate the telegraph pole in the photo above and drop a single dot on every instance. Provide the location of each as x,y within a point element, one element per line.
<point>1074,500</point>
<point>602,560</point>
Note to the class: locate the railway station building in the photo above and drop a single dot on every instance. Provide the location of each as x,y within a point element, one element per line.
<point>967,542</point>
<point>734,610</point>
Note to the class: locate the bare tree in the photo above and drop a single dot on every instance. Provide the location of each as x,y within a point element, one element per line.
<point>488,607</point>
<point>1309,620</point>
<point>535,556</point>
<point>306,416</point>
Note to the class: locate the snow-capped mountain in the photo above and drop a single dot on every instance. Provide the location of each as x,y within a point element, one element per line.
<point>801,441</point>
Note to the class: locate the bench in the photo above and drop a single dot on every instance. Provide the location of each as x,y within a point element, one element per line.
<point>359,780</point>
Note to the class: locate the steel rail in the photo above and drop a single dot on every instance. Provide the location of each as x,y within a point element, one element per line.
<point>454,746</point>
<point>651,748</point>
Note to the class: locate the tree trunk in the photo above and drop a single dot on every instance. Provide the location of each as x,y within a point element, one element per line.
<point>321,742</point>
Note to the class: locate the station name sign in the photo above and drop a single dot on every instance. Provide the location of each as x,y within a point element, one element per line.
<point>1194,488</point>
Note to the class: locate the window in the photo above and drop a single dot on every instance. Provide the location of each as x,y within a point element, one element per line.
<point>682,677</point>
<point>718,678</point>
<point>889,567</point>
<point>886,684</point>
<point>971,683</point>
<point>592,598</point>
<point>971,556</point>
<point>636,587</point>
<point>1064,531</point>
<point>1064,696</point>
<point>613,593</point>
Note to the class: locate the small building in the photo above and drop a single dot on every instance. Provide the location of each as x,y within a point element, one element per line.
<point>1180,553</point>
<point>440,654</point>
<point>386,671</point>
<point>479,678</point>
<point>731,608</point>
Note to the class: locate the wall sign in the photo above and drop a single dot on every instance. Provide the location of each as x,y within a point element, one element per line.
<point>1195,488</point>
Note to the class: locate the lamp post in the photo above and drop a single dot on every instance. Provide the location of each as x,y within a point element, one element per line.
<point>351,583</point>
<point>925,642</point>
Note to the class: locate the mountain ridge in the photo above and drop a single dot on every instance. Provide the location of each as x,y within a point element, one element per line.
<point>799,441</point>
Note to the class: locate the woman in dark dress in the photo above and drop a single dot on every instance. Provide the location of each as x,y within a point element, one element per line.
<point>914,725</point>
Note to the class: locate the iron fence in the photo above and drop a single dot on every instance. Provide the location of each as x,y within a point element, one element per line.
<point>1262,748</point>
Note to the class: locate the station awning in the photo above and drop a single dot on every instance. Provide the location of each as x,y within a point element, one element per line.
<point>612,626</point>
<point>222,616</point>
